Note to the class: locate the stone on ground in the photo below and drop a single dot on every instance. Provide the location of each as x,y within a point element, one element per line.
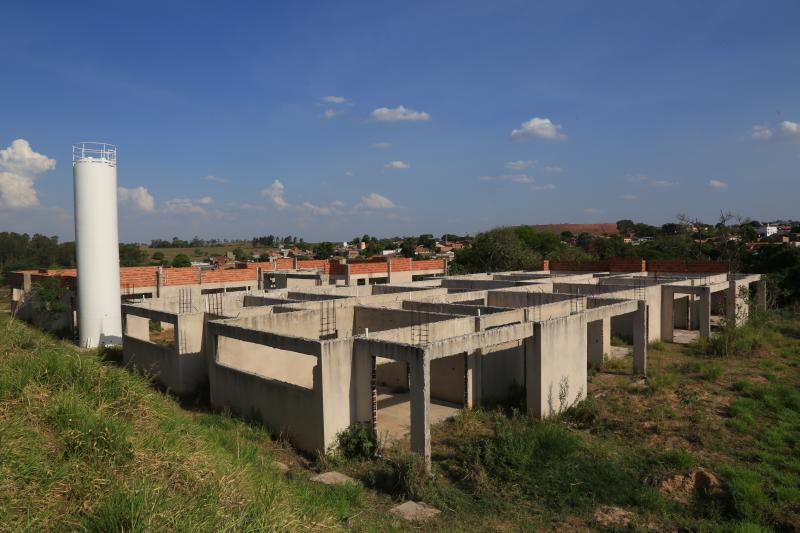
<point>280,467</point>
<point>414,511</point>
<point>333,478</point>
<point>610,516</point>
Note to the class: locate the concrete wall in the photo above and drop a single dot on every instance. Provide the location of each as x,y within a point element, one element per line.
<point>268,362</point>
<point>287,410</point>
<point>501,370</point>
<point>556,367</point>
<point>447,379</point>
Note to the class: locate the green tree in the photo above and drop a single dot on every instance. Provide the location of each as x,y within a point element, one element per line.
<point>158,256</point>
<point>324,250</point>
<point>408,247</point>
<point>497,250</point>
<point>181,260</point>
<point>626,227</point>
<point>239,254</point>
<point>131,255</point>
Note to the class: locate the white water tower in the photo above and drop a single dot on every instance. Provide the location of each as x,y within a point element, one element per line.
<point>94,169</point>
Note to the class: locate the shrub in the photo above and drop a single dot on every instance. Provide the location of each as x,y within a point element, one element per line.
<point>357,442</point>
<point>181,260</point>
<point>657,345</point>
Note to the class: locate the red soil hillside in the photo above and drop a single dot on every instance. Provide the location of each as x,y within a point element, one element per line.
<point>606,228</point>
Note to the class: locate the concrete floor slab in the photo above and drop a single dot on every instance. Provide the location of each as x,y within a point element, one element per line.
<point>394,414</point>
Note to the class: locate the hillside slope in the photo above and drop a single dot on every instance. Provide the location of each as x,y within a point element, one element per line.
<point>86,445</point>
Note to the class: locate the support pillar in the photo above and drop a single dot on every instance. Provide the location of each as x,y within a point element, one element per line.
<point>533,373</point>
<point>667,314</point>
<point>640,339</point>
<point>473,379</point>
<point>761,295</point>
<point>596,340</point>
<point>363,382</point>
<point>730,303</point>
<point>420,407</point>
<point>704,312</point>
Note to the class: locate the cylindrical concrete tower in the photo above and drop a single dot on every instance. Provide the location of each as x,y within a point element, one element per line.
<point>94,168</point>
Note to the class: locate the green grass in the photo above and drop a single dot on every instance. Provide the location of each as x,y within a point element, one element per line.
<point>86,445</point>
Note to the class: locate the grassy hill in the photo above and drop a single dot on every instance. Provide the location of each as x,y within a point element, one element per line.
<point>705,444</point>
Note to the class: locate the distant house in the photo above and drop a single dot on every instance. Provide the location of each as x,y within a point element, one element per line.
<point>421,250</point>
<point>767,230</point>
<point>222,260</point>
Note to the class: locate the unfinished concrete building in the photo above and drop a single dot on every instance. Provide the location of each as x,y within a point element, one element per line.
<point>310,361</point>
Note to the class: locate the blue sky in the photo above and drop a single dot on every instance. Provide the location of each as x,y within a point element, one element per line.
<point>333,119</point>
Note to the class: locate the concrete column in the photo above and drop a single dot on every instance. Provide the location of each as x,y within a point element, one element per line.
<point>596,342</point>
<point>730,303</point>
<point>533,373</point>
<point>761,295</point>
<point>363,382</point>
<point>640,339</point>
<point>159,281</point>
<point>694,313</point>
<point>420,407</point>
<point>667,313</point>
<point>260,278</point>
<point>473,380</point>
<point>704,312</point>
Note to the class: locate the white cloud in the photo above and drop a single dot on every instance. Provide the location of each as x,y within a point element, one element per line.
<point>252,207</point>
<point>17,191</point>
<point>182,206</point>
<point>664,184</point>
<point>638,178</point>
<point>377,201</point>
<point>629,197</point>
<point>790,128</point>
<point>19,158</point>
<point>18,165</point>
<point>399,113</point>
<point>717,184</point>
<point>337,100</point>
<point>348,173</point>
<point>520,165</point>
<point>321,210</point>
<point>216,179</point>
<point>397,165</point>
<point>785,131</point>
<point>275,193</point>
<point>541,128</point>
<point>553,169</point>
<point>330,113</point>
<point>592,211</point>
<point>545,187</point>
<point>382,145</point>
<point>516,178</point>
<point>205,200</point>
<point>761,133</point>
<point>138,198</point>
